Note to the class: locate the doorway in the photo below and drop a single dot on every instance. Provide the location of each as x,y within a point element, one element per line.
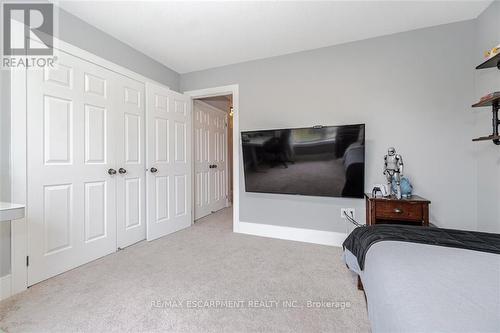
<point>212,146</point>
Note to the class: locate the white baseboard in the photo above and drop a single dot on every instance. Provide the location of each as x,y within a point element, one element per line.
<point>289,233</point>
<point>5,287</point>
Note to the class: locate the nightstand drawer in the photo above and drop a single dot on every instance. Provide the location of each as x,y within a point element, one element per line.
<point>394,210</point>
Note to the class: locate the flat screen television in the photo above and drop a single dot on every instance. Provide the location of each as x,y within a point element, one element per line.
<point>316,161</point>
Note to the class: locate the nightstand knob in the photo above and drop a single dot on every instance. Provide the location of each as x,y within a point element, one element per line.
<point>398,210</point>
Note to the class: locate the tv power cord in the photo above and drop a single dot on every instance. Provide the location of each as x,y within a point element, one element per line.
<point>352,220</point>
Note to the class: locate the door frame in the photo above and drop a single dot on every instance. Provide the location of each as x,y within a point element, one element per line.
<point>226,169</point>
<point>18,153</point>
<point>232,89</point>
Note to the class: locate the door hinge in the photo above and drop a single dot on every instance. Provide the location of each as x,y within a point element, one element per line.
<point>27,261</point>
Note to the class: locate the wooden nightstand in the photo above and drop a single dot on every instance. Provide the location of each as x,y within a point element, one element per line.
<point>414,210</point>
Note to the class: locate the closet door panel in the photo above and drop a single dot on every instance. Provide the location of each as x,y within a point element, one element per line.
<point>130,160</point>
<point>71,212</point>
<point>96,134</point>
<point>168,161</point>
<point>96,210</point>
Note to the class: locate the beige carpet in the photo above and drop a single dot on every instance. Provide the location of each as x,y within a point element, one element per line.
<point>239,283</point>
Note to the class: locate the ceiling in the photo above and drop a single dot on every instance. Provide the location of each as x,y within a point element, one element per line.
<point>189,36</point>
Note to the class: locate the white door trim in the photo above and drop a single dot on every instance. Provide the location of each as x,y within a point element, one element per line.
<point>18,161</point>
<point>18,171</point>
<point>218,91</point>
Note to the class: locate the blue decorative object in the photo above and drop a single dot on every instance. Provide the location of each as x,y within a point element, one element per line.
<point>406,187</point>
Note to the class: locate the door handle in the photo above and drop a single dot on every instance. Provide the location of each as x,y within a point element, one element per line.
<point>153,170</point>
<point>122,171</point>
<point>112,171</point>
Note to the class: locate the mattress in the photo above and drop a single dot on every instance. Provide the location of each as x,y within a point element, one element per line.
<point>413,287</point>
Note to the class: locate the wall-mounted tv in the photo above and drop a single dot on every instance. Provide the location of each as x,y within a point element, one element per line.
<point>317,161</point>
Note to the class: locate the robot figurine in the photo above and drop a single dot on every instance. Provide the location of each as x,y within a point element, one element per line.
<point>393,171</point>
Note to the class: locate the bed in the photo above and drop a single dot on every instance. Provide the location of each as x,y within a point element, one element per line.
<point>417,287</point>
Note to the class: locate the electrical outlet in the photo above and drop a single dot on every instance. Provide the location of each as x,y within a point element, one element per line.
<point>349,211</point>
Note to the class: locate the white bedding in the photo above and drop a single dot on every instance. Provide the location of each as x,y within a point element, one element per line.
<point>425,288</point>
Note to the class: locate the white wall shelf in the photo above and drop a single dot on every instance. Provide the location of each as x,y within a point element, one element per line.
<point>10,211</point>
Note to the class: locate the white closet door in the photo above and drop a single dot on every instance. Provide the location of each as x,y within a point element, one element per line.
<point>169,161</point>
<point>71,208</point>
<point>210,133</point>
<point>130,161</point>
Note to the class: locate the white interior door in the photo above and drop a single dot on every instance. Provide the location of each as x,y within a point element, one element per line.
<point>71,208</point>
<point>130,161</point>
<point>210,126</point>
<point>168,161</point>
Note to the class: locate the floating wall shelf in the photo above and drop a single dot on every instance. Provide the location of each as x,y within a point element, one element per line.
<point>490,63</point>
<point>494,99</point>
<point>487,138</point>
<point>494,102</point>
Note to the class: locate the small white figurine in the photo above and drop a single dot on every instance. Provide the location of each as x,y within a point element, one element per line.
<point>393,171</point>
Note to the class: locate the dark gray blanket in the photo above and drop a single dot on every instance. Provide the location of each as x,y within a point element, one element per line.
<point>361,238</point>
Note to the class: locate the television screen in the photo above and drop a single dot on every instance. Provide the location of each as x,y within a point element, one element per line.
<point>317,161</point>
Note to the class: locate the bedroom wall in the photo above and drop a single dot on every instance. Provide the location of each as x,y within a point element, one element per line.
<point>413,90</point>
<point>79,33</point>
<point>487,154</point>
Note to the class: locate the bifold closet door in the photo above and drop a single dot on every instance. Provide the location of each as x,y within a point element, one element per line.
<point>71,204</point>
<point>168,161</point>
<point>210,134</point>
<point>130,161</point>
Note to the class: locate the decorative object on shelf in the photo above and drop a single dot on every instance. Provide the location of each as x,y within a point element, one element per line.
<point>491,53</point>
<point>406,187</point>
<point>492,100</point>
<point>486,98</point>
<point>379,188</point>
<point>393,170</point>
<point>492,58</point>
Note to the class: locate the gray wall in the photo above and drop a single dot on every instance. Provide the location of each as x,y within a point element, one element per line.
<point>79,33</point>
<point>487,154</point>
<point>413,90</point>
